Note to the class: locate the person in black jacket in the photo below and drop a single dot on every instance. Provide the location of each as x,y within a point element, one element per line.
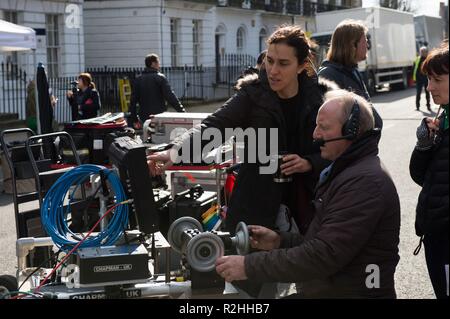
<point>285,96</point>
<point>349,46</point>
<point>429,169</point>
<point>151,91</point>
<point>85,100</point>
<point>351,247</point>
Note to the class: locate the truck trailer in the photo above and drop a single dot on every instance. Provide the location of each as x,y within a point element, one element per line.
<point>392,41</point>
<point>429,31</point>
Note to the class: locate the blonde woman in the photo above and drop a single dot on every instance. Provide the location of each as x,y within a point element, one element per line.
<point>349,46</point>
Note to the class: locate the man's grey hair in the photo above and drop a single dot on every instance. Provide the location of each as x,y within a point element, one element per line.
<point>347,99</point>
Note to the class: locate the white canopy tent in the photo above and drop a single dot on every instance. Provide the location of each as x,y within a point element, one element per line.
<point>15,37</point>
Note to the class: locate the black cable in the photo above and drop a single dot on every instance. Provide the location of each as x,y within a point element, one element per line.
<point>90,200</point>
<point>38,268</point>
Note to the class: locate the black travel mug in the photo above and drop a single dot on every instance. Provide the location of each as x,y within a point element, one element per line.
<point>279,177</point>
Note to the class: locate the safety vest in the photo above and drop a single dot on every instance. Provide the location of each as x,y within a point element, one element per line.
<point>416,68</point>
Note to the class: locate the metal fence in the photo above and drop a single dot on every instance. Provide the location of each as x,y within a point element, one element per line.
<point>13,90</point>
<point>59,87</point>
<point>192,84</point>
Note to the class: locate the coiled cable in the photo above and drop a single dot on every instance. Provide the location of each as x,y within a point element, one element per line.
<point>54,216</point>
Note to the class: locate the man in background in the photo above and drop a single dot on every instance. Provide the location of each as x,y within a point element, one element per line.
<point>151,91</point>
<point>421,79</point>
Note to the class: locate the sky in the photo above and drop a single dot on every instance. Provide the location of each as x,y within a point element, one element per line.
<point>426,7</point>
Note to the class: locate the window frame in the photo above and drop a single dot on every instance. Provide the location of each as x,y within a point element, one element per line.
<point>52,44</point>
<point>174,41</point>
<point>240,39</point>
<point>196,41</point>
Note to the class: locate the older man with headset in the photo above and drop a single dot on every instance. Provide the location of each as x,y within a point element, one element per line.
<point>351,247</point>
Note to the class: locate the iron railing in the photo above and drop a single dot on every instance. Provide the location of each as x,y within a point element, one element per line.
<point>192,84</point>
<point>13,89</point>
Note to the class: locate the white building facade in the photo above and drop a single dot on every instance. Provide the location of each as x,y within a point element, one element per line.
<point>59,29</point>
<point>120,33</point>
<point>59,46</point>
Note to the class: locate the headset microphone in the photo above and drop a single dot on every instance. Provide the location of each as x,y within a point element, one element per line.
<point>350,128</point>
<point>321,142</point>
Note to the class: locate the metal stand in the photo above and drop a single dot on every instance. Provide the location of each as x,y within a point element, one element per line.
<point>18,198</point>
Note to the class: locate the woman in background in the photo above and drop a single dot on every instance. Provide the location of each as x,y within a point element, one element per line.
<point>85,99</point>
<point>429,169</point>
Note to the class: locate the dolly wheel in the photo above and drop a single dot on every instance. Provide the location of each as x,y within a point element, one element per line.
<point>8,284</point>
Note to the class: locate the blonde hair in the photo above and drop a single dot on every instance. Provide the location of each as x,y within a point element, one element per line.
<point>86,78</point>
<point>344,42</point>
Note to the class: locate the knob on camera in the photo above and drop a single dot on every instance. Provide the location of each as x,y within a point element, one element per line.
<point>202,249</point>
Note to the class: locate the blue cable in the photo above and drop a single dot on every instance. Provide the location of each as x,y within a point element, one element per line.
<point>54,217</point>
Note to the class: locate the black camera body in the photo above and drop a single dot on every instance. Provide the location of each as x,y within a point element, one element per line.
<point>74,87</point>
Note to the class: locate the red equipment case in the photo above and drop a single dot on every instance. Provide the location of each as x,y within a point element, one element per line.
<point>94,138</point>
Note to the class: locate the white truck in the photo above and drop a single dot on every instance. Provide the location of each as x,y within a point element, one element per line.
<point>393,45</point>
<point>429,31</point>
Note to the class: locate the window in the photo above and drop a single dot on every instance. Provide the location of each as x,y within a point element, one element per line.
<point>174,26</point>
<point>196,27</point>
<point>52,32</point>
<point>240,39</point>
<point>221,32</point>
<point>11,16</point>
<point>262,39</point>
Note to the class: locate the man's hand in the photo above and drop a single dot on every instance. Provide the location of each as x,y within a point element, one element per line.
<point>231,268</point>
<point>69,94</point>
<point>263,238</point>
<point>159,162</point>
<point>295,164</point>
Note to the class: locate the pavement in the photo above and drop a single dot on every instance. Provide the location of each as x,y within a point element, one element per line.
<point>400,121</point>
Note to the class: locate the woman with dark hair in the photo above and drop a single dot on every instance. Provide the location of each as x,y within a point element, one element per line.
<point>429,169</point>
<point>349,46</point>
<point>286,97</point>
<point>84,100</point>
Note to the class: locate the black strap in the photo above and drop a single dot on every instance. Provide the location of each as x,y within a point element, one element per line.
<point>361,83</point>
<point>417,250</point>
